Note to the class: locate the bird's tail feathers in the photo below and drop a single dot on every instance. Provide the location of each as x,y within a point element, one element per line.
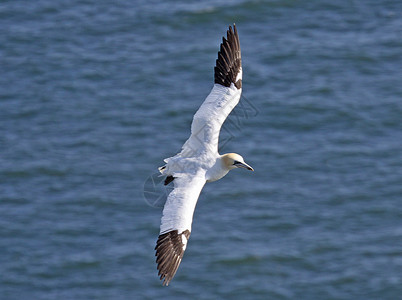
<point>162,170</point>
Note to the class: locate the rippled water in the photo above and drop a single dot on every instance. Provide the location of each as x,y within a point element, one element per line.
<point>93,96</point>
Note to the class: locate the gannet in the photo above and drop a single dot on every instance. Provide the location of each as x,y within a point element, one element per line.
<point>199,161</point>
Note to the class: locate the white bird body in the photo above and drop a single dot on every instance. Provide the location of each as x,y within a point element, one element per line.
<point>217,171</point>
<point>199,161</point>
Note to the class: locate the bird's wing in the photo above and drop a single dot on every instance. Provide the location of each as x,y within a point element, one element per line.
<point>176,223</point>
<point>224,96</point>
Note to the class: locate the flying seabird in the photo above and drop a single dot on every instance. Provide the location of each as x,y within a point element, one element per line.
<point>199,161</point>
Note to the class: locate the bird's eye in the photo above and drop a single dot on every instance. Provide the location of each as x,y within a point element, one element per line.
<point>236,162</point>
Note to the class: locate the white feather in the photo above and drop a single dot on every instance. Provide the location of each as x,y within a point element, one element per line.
<point>208,120</point>
<point>199,159</point>
<point>179,208</point>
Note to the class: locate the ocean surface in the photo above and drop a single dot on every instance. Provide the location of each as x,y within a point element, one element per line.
<point>95,94</point>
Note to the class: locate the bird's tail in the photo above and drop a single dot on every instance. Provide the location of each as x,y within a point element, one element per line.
<point>162,169</point>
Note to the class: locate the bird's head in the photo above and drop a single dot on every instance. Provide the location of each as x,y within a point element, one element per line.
<point>233,161</point>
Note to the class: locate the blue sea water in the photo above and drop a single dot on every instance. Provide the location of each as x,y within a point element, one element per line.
<point>95,94</point>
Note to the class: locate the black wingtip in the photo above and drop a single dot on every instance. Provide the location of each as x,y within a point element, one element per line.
<point>228,63</point>
<point>169,253</point>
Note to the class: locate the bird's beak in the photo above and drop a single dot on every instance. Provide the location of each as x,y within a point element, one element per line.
<point>244,166</point>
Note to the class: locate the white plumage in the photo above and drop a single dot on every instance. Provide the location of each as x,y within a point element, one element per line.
<point>180,205</point>
<point>199,161</point>
<point>208,120</point>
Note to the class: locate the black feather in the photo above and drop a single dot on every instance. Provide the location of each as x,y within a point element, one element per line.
<point>228,63</point>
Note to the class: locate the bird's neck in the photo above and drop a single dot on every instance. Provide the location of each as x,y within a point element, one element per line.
<point>217,171</point>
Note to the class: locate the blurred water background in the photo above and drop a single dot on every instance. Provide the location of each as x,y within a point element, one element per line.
<point>94,94</point>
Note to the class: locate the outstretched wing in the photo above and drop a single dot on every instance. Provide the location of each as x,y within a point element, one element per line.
<point>176,223</point>
<point>225,95</point>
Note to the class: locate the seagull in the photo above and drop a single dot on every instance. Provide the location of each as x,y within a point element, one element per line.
<point>199,161</point>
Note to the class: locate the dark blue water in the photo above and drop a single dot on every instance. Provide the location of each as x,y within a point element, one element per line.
<point>93,96</point>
